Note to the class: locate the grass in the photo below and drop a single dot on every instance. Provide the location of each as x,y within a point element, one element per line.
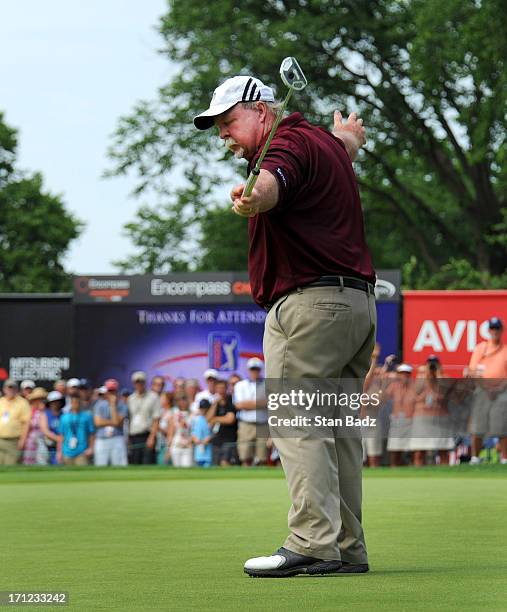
<point>165,539</point>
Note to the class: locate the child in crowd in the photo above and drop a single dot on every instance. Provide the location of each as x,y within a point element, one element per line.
<point>201,436</point>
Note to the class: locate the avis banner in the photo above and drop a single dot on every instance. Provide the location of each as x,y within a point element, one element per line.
<point>448,324</point>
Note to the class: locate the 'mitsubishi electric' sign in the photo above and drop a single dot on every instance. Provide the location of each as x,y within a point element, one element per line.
<point>448,324</point>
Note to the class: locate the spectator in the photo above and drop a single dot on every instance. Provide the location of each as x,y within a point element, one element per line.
<point>222,419</point>
<point>201,436</point>
<point>85,394</point>
<point>250,402</point>
<point>54,405</point>
<point>431,430</point>
<point>77,434</point>
<point>125,393</point>
<point>71,389</point>
<point>401,392</point>
<point>109,415</point>
<point>157,385</point>
<point>191,390</point>
<point>211,377</point>
<point>26,387</point>
<point>14,422</point>
<point>166,411</point>
<point>144,413</point>
<point>35,450</point>
<point>179,441</point>
<point>179,385</point>
<point>489,362</point>
<point>372,434</point>
<point>233,379</point>
<point>60,386</point>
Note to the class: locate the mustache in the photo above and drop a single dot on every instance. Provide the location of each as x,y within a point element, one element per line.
<point>229,142</point>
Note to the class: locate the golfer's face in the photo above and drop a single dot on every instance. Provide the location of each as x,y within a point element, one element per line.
<point>241,129</point>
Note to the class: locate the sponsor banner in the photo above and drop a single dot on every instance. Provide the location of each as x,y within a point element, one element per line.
<point>448,324</point>
<point>192,288</point>
<point>182,340</point>
<point>169,341</point>
<point>35,338</point>
<point>388,328</point>
<point>38,368</point>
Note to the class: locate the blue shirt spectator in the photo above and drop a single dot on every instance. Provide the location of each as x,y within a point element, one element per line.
<point>201,436</point>
<point>76,429</point>
<point>102,409</point>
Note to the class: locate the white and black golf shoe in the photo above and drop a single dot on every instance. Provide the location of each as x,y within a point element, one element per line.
<point>284,563</point>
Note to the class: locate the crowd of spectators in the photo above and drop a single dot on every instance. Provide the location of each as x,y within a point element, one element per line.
<point>425,417</point>
<point>421,416</point>
<point>75,424</point>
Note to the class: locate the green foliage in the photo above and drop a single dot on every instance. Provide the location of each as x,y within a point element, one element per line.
<point>224,241</point>
<point>35,231</point>
<point>428,77</point>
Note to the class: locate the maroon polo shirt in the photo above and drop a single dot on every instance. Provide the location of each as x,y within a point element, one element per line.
<point>317,227</point>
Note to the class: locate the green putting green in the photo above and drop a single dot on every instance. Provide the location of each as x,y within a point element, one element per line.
<point>165,539</point>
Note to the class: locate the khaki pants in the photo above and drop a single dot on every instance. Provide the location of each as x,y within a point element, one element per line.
<point>322,332</point>
<point>9,453</point>
<point>79,460</point>
<point>252,441</point>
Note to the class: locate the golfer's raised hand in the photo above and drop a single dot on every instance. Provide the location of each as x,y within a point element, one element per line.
<point>352,132</point>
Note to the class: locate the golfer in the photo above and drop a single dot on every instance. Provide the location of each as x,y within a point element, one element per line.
<point>311,270</point>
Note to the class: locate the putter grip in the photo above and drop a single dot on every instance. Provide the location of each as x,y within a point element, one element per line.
<point>250,184</point>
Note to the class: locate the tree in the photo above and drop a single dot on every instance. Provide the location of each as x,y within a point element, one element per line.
<point>35,231</point>
<point>428,77</point>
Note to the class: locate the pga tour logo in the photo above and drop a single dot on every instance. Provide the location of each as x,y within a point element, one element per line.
<point>439,337</point>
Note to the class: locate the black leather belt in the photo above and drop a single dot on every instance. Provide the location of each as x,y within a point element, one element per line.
<point>337,281</point>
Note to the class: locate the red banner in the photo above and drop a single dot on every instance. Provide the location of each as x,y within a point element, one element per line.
<point>448,324</point>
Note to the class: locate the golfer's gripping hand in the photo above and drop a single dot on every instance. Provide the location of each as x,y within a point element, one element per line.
<point>243,206</point>
<point>264,196</point>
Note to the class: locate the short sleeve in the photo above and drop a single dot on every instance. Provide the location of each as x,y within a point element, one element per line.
<point>239,394</point>
<point>286,160</point>
<point>99,410</point>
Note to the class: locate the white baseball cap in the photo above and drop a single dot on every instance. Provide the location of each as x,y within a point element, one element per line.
<point>138,376</point>
<point>54,396</point>
<point>254,362</point>
<point>404,367</point>
<point>27,384</point>
<point>210,373</point>
<point>73,382</point>
<point>229,93</point>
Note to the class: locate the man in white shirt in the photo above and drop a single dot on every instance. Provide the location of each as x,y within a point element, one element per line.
<point>211,377</point>
<point>249,396</point>
<point>144,415</point>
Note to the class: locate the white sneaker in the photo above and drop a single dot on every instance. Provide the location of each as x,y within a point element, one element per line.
<point>475,461</point>
<point>284,563</point>
<point>264,563</point>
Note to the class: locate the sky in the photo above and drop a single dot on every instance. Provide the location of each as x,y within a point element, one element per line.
<point>68,70</point>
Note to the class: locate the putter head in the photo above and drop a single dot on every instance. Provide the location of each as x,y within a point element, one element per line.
<point>292,75</point>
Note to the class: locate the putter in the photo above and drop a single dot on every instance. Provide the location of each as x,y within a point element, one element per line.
<point>293,77</point>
